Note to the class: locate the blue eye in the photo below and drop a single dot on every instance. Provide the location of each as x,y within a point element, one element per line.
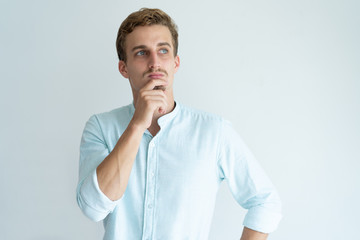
<point>140,53</point>
<point>164,51</point>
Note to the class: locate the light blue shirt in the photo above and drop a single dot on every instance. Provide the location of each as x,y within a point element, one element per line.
<point>176,175</point>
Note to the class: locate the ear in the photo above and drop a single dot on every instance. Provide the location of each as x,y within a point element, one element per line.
<point>177,63</point>
<point>123,69</point>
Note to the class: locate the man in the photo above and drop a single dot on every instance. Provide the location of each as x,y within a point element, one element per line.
<point>151,170</point>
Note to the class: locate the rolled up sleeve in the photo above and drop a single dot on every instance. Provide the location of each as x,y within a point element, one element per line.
<point>93,150</point>
<point>248,183</point>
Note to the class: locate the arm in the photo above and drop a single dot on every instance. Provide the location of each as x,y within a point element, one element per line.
<point>249,234</point>
<point>248,183</point>
<point>103,175</point>
<point>114,172</point>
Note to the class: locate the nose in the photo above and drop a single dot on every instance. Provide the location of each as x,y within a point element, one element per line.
<point>154,62</point>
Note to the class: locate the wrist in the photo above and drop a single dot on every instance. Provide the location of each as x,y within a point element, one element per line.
<point>136,127</point>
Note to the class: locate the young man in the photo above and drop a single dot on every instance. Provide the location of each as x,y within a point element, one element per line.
<point>152,169</point>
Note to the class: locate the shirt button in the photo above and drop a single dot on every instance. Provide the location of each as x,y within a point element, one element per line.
<point>150,206</point>
<point>152,174</point>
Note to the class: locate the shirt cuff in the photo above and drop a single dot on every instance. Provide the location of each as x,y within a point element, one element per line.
<point>262,220</point>
<point>96,205</point>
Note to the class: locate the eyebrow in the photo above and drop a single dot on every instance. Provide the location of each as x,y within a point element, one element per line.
<point>164,44</point>
<point>143,46</point>
<point>138,47</point>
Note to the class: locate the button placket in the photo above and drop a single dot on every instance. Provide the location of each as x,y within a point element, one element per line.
<point>150,191</point>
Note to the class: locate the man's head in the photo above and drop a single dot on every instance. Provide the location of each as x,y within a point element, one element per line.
<point>147,47</point>
<point>144,17</point>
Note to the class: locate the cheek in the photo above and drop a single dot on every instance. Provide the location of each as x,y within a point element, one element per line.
<point>136,71</point>
<point>170,66</point>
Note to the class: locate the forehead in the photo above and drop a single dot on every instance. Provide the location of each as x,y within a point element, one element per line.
<point>148,36</point>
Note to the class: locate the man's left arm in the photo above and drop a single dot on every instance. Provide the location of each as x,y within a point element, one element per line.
<point>249,185</point>
<point>249,234</point>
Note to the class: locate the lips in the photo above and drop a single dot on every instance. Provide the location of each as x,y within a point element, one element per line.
<point>155,75</point>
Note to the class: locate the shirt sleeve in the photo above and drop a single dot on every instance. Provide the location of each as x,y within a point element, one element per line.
<point>248,183</point>
<point>93,150</point>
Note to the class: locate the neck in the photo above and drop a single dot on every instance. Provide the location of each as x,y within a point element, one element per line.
<point>154,128</point>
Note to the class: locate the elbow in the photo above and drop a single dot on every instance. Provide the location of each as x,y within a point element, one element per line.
<point>264,216</point>
<point>268,200</point>
<point>91,213</point>
<point>95,217</point>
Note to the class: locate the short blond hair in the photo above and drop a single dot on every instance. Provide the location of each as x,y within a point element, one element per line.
<point>144,17</point>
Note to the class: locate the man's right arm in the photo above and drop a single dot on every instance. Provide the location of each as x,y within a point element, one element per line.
<point>114,172</point>
<point>103,175</point>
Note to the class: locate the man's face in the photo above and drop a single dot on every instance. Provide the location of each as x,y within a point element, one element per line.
<point>150,55</point>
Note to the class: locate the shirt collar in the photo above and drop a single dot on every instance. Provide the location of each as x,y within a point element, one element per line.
<point>164,120</point>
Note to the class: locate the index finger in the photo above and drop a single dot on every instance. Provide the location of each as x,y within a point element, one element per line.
<point>155,83</point>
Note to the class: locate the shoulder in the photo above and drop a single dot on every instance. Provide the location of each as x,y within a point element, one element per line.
<point>112,119</point>
<point>116,114</point>
<point>197,115</point>
<point>207,122</point>
<point>196,120</point>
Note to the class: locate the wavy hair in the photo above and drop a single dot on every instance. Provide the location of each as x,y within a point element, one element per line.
<point>144,17</point>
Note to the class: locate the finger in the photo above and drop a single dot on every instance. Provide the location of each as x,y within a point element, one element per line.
<point>157,102</point>
<point>155,82</point>
<point>153,93</point>
<point>154,99</point>
<point>160,87</point>
<point>149,99</point>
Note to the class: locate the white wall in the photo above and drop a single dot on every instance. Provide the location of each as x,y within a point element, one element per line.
<point>286,73</point>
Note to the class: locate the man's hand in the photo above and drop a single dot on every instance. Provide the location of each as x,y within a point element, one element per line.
<point>249,234</point>
<point>151,99</point>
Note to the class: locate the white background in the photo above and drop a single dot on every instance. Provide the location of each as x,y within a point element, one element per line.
<point>285,73</point>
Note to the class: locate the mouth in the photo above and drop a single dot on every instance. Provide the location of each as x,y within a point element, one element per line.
<point>156,75</point>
